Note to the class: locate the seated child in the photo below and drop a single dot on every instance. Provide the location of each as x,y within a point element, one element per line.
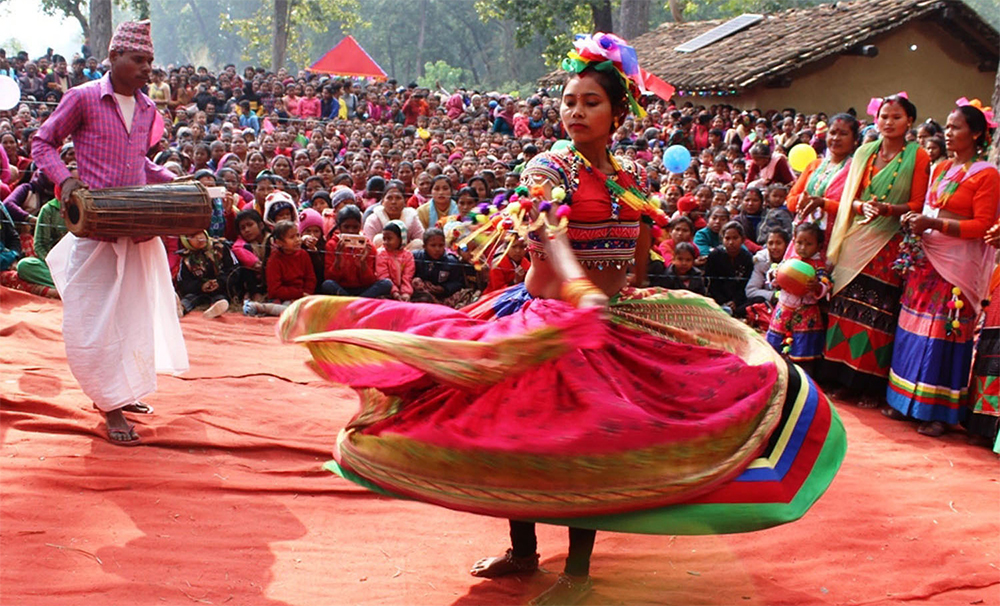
<point>776,215</point>
<point>720,171</point>
<point>708,237</point>
<point>289,272</point>
<point>311,230</point>
<point>510,269</point>
<point>682,274</point>
<point>728,269</point>
<point>680,229</point>
<point>394,262</point>
<point>49,229</point>
<point>797,328</point>
<point>439,273</point>
<point>349,267</point>
<point>752,212</point>
<point>248,279</point>
<point>205,265</point>
<point>760,289</point>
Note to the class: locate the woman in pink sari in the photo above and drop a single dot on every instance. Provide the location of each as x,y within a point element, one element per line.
<point>816,194</point>
<point>546,401</point>
<point>948,264</point>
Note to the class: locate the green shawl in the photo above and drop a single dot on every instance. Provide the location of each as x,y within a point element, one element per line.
<point>854,242</point>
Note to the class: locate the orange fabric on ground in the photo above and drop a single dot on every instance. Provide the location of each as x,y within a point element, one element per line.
<point>225,503</point>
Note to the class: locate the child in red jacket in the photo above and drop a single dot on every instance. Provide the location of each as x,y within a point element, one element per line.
<point>289,272</point>
<point>394,262</point>
<point>511,269</point>
<point>350,260</point>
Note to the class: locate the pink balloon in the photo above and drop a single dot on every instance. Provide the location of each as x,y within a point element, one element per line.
<point>156,132</point>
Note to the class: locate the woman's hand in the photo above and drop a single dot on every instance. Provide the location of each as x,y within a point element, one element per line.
<point>871,210</point>
<point>917,222</point>
<point>309,242</point>
<point>992,236</point>
<point>809,204</point>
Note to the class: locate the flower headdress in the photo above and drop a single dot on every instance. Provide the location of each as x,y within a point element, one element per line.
<point>609,52</point>
<point>976,103</point>
<point>876,103</point>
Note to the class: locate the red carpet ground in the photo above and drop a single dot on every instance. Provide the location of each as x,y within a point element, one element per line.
<point>226,503</point>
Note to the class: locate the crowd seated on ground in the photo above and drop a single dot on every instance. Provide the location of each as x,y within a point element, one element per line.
<point>344,187</point>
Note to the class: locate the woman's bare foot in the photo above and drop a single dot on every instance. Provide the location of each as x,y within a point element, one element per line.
<point>120,431</point>
<point>491,568</point>
<point>567,590</point>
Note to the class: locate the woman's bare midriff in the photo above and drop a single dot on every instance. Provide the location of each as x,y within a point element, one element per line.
<point>543,282</point>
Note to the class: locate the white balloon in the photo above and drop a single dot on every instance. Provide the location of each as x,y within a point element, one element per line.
<point>10,93</point>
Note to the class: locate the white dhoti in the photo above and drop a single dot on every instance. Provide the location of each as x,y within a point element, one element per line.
<point>119,317</point>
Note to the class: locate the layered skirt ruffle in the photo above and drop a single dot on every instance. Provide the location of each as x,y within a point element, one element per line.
<point>659,414</point>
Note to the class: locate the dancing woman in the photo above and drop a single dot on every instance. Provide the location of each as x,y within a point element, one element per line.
<point>545,402</point>
<point>887,179</point>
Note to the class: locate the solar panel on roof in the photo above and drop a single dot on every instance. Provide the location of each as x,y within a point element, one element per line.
<point>718,33</point>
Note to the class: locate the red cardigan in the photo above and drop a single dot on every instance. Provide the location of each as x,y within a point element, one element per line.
<point>290,276</point>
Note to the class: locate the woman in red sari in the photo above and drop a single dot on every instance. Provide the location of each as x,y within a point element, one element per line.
<point>932,355</point>
<point>545,402</point>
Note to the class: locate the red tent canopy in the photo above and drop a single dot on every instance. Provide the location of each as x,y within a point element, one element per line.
<point>349,59</point>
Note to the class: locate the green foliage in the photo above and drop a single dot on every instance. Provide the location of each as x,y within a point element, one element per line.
<point>454,33</point>
<point>697,10</point>
<point>449,77</point>
<point>555,21</point>
<point>305,17</point>
<point>13,46</point>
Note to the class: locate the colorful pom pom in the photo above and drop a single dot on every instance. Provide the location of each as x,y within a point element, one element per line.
<point>544,206</point>
<point>558,194</point>
<point>481,218</point>
<point>526,204</point>
<point>959,304</point>
<point>956,291</point>
<point>563,212</point>
<point>521,190</point>
<point>514,207</point>
<point>955,324</point>
<point>537,190</point>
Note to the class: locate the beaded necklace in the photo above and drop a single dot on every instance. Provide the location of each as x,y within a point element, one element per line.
<point>898,161</point>
<point>821,178</point>
<point>940,200</point>
<point>631,195</point>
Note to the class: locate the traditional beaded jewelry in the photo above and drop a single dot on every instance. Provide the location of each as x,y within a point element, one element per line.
<point>955,305</point>
<point>938,196</point>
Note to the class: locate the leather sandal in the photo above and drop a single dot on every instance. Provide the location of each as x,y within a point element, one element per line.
<point>491,568</point>
<point>894,414</point>
<point>567,590</point>
<point>933,429</point>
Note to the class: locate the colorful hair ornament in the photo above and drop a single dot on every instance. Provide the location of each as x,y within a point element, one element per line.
<point>876,103</point>
<point>609,52</point>
<point>976,103</point>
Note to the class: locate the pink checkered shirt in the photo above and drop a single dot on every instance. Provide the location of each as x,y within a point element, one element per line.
<point>106,154</point>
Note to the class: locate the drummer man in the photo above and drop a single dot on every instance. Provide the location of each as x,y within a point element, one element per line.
<point>119,313</point>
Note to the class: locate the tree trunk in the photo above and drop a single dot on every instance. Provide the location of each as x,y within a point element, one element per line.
<point>100,28</point>
<point>601,12</point>
<point>280,34</point>
<point>677,10</point>
<point>74,10</point>
<point>995,149</point>
<point>634,18</point>
<point>419,58</point>
<point>392,55</point>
